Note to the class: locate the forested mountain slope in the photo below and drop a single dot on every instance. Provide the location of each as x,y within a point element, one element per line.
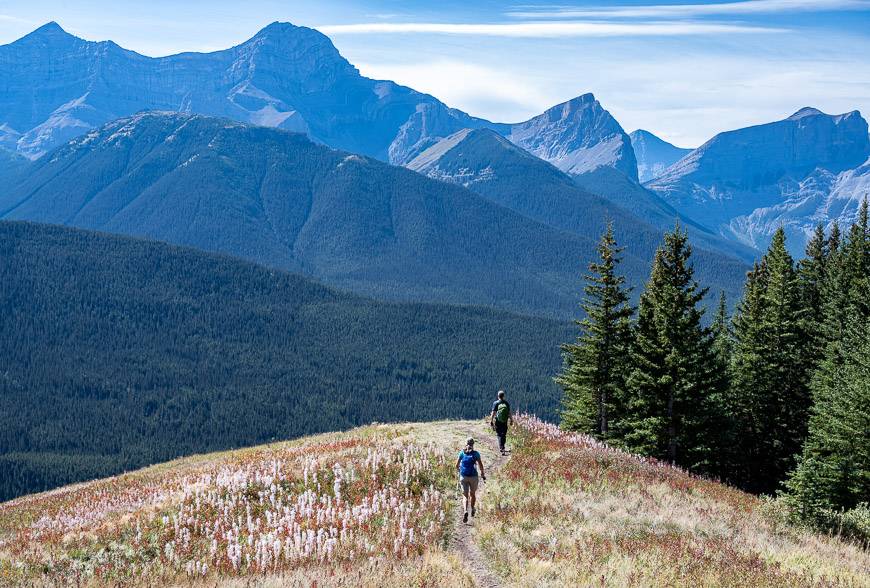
<point>490,165</point>
<point>277,198</point>
<point>119,352</point>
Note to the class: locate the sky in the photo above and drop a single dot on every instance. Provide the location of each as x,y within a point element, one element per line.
<point>683,70</point>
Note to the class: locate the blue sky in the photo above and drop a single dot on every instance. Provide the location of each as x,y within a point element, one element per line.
<point>684,70</point>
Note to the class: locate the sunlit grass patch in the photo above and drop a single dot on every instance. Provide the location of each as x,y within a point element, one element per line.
<point>571,511</point>
<point>375,496</point>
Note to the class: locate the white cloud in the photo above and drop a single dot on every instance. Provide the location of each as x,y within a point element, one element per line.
<point>746,7</point>
<point>549,29</point>
<point>474,88</point>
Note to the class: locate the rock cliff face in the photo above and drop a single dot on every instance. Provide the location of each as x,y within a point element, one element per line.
<point>59,86</point>
<point>653,154</point>
<point>822,197</point>
<point>578,137</point>
<point>745,183</point>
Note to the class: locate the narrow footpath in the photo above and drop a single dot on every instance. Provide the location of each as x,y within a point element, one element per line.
<point>464,537</point>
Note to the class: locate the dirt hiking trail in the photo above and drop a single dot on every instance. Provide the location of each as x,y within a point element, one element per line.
<point>464,537</point>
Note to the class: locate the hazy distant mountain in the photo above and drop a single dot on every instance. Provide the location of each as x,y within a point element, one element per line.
<point>795,172</point>
<point>654,155</point>
<point>277,198</point>
<point>487,163</point>
<point>578,137</point>
<point>57,86</point>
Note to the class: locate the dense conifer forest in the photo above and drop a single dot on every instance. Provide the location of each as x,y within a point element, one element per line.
<point>119,353</point>
<point>774,399</point>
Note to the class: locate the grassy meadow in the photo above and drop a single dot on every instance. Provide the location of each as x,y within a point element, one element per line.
<point>377,506</point>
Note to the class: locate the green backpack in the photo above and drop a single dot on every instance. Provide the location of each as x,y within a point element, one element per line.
<point>503,413</point>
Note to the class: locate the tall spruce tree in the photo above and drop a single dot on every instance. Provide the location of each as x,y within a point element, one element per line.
<point>790,371</point>
<point>812,276</point>
<point>721,433</point>
<point>846,289</point>
<point>670,409</point>
<point>593,377</point>
<point>746,398</point>
<point>856,264</point>
<point>834,470</point>
<point>769,396</point>
<point>833,473</point>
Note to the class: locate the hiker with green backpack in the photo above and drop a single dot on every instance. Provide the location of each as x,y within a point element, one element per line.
<point>499,419</point>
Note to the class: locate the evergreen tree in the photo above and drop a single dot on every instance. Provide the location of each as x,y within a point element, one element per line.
<point>812,275</point>
<point>790,384</point>
<point>745,400</point>
<point>856,264</point>
<point>834,469</point>
<point>593,378</point>
<point>721,433</point>
<point>723,338</point>
<point>833,474</point>
<point>670,409</point>
<point>846,290</point>
<point>769,396</point>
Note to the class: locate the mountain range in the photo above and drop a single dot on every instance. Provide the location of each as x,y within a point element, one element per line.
<point>285,76</point>
<point>278,198</point>
<point>490,165</point>
<point>807,169</point>
<point>59,86</point>
<point>731,193</point>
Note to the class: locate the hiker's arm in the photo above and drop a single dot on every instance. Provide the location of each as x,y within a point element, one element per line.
<point>482,473</point>
<point>492,416</point>
<point>458,461</point>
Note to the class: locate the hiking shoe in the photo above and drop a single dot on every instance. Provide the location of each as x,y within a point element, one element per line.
<point>472,511</point>
<point>465,517</point>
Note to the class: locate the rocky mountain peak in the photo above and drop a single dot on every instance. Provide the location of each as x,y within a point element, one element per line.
<point>578,136</point>
<point>806,111</point>
<point>50,33</point>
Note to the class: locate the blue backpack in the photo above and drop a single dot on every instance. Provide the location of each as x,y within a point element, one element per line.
<point>467,463</point>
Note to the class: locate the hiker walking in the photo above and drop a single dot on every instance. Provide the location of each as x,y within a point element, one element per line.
<point>499,419</point>
<point>467,464</point>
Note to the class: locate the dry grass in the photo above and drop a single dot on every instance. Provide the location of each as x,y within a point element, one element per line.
<point>574,512</point>
<point>564,511</point>
<point>368,507</point>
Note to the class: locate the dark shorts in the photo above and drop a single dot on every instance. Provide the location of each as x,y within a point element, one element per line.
<point>468,484</point>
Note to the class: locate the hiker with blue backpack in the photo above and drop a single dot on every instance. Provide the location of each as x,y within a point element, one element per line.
<point>467,464</point>
<point>499,419</point>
